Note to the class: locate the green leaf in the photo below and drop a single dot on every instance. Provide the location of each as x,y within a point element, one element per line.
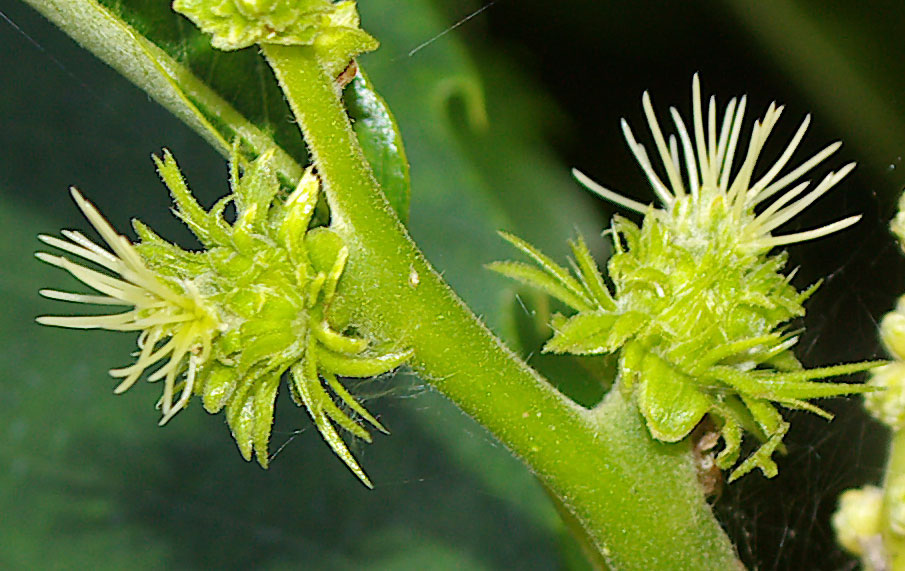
<point>187,208</point>
<point>265,395</point>
<point>796,384</point>
<point>539,279</point>
<point>590,274</point>
<point>580,301</point>
<point>670,401</point>
<point>774,427</point>
<point>594,333</point>
<point>583,334</point>
<point>218,387</point>
<point>348,400</point>
<point>154,47</point>
<point>363,366</point>
<point>381,141</point>
<point>240,414</point>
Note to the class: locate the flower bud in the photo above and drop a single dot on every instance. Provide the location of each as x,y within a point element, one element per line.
<point>858,518</point>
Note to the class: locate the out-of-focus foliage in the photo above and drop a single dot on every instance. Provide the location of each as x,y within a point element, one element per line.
<point>90,472</point>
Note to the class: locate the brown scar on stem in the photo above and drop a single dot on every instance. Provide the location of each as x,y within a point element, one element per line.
<point>347,75</point>
<point>705,438</point>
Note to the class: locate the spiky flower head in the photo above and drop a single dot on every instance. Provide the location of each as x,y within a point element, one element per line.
<point>227,322</point>
<point>235,24</point>
<point>699,308</point>
<point>719,204</point>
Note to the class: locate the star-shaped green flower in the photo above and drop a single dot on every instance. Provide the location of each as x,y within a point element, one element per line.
<point>699,310</point>
<point>227,322</point>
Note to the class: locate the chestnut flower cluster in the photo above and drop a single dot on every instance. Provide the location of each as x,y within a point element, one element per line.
<point>231,321</point>
<point>698,310</point>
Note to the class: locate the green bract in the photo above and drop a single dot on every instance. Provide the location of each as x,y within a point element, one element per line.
<point>231,319</point>
<point>699,309</point>
<point>237,24</point>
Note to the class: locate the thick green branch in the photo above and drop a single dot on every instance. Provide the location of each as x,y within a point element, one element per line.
<point>638,500</point>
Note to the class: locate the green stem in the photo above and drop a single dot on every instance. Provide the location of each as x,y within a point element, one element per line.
<point>894,543</point>
<point>638,500</point>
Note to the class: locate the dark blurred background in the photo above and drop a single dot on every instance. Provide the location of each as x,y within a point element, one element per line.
<point>90,481</point>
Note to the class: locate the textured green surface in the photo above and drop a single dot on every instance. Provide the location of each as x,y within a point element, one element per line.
<point>93,471</point>
<point>98,133</point>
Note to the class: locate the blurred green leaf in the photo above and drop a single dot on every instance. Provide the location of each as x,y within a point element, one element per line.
<point>213,91</point>
<point>228,74</point>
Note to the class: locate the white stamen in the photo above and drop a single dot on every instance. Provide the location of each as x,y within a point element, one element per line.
<point>660,189</point>
<point>698,121</point>
<point>82,252</point>
<point>189,384</point>
<point>798,172</point>
<point>608,194</point>
<point>708,156</point>
<point>144,360</point>
<point>771,210</point>
<point>733,142</point>
<point>159,312</point>
<point>723,143</point>
<point>674,155</point>
<point>797,207</point>
<point>674,179</point>
<point>84,242</point>
<point>690,163</point>
<point>758,137</point>
<point>781,162</point>
<point>774,241</point>
<point>82,298</point>
<point>101,282</point>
